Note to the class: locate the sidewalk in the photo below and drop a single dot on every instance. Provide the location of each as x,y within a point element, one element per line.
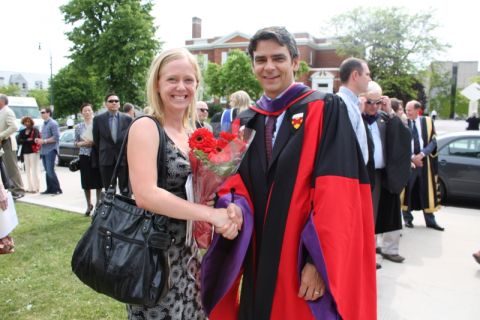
<point>72,199</point>
<point>438,280</point>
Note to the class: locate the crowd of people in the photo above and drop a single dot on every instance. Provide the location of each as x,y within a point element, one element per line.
<point>299,252</point>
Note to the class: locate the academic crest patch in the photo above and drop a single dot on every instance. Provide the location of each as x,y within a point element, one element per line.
<point>297,120</point>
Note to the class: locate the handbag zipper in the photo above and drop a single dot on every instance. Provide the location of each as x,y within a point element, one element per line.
<point>108,233</point>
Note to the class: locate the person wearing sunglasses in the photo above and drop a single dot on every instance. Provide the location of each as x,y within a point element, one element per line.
<point>202,116</point>
<point>109,129</point>
<point>389,166</point>
<point>49,142</point>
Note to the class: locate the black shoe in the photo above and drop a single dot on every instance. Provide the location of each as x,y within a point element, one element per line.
<point>476,256</point>
<point>378,250</point>
<point>435,226</point>
<point>409,224</point>
<point>45,192</point>
<point>393,257</point>
<point>89,210</point>
<point>379,266</point>
<point>56,193</point>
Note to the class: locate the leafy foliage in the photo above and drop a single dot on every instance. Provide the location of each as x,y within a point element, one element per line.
<point>115,39</point>
<point>10,90</point>
<point>395,44</point>
<point>74,86</point>
<point>303,69</point>
<point>236,74</point>
<point>42,97</point>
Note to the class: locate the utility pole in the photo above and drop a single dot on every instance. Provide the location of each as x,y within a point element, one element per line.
<point>51,77</point>
<point>453,92</point>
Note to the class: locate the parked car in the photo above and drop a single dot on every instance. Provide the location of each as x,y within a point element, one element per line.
<point>68,150</point>
<point>459,165</point>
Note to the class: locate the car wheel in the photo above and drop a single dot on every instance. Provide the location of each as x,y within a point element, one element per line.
<point>442,190</point>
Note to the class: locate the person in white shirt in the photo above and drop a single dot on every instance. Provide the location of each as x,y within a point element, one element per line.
<point>354,76</point>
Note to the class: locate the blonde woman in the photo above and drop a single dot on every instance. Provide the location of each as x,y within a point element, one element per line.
<point>241,101</point>
<point>173,80</point>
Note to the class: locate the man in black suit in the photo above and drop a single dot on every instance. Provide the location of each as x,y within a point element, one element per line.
<point>109,129</point>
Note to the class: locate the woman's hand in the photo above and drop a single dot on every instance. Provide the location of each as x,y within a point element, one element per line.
<point>3,199</point>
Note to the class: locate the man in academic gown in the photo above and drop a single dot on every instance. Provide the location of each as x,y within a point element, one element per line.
<point>390,163</point>
<point>421,192</point>
<point>306,248</point>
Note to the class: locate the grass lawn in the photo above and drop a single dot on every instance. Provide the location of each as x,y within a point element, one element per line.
<point>36,282</point>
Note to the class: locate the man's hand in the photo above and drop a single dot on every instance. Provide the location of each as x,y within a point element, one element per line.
<point>3,199</point>
<point>417,160</point>
<point>235,214</point>
<point>312,286</point>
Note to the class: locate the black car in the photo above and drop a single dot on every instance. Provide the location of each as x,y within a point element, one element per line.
<point>68,150</point>
<point>459,165</point>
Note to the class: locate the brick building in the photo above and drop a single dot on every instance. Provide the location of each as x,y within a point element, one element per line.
<point>318,53</point>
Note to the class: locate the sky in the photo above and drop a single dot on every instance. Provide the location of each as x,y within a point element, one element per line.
<point>26,23</point>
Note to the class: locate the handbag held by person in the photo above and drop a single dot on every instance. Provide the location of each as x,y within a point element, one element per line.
<point>123,254</point>
<point>74,165</point>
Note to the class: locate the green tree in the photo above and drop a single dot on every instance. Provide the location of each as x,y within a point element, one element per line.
<point>395,44</point>
<point>212,81</point>
<point>10,90</point>
<point>116,39</point>
<point>236,74</point>
<point>303,69</point>
<point>74,86</point>
<point>42,96</point>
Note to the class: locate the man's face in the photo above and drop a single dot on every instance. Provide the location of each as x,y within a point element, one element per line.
<point>112,103</point>
<point>411,112</point>
<point>372,105</point>
<point>362,79</point>
<point>45,115</point>
<point>202,111</point>
<point>273,67</point>
<point>2,103</point>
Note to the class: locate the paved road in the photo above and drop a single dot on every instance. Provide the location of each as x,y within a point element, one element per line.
<point>438,280</point>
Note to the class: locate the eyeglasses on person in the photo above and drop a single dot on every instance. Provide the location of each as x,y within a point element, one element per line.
<point>113,101</point>
<point>377,102</point>
<point>202,110</point>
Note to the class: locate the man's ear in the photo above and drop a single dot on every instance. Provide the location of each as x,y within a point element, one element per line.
<point>296,64</point>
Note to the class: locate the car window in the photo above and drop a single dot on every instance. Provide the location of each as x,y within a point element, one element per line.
<point>467,147</point>
<point>68,136</point>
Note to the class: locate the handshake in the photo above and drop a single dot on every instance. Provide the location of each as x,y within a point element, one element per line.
<point>227,221</point>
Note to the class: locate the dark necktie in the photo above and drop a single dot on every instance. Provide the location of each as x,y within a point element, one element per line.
<point>269,128</point>
<point>416,141</point>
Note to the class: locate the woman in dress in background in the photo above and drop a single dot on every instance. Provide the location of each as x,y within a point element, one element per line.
<point>89,176</point>
<point>173,80</point>
<point>30,153</point>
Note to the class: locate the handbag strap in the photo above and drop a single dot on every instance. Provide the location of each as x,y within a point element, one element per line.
<point>161,159</point>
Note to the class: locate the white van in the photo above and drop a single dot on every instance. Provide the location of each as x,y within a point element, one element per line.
<point>25,106</point>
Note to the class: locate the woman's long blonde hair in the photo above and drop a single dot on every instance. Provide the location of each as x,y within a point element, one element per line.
<point>241,100</point>
<point>153,96</point>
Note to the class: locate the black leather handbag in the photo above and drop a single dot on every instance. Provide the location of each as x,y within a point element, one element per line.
<point>74,165</point>
<point>123,254</point>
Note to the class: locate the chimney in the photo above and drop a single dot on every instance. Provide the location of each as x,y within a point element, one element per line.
<point>196,28</point>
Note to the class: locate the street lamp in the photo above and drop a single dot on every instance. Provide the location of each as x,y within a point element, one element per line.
<point>51,76</point>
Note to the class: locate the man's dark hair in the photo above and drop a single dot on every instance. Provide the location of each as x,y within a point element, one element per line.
<point>109,95</point>
<point>127,107</point>
<point>85,104</point>
<point>49,111</point>
<point>278,34</point>
<point>348,66</point>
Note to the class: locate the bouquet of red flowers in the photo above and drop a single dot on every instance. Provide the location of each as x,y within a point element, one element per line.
<point>212,161</point>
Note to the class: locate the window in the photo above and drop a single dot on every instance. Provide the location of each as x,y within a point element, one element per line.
<point>466,147</point>
<point>224,56</point>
